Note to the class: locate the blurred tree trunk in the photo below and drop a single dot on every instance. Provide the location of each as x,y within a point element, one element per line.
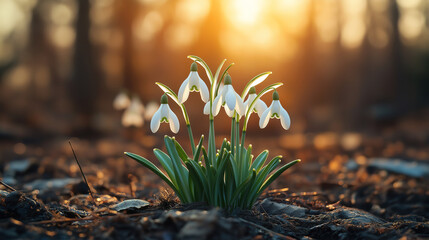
<point>126,15</point>
<point>398,77</point>
<point>84,78</point>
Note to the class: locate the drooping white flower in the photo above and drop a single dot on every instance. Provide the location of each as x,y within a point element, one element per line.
<point>133,115</point>
<point>229,99</point>
<point>193,83</point>
<point>259,106</point>
<point>275,110</point>
<point>164,114</point>
<point>206,110</point>
<point>121,101</point>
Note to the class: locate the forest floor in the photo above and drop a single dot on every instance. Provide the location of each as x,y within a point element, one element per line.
<point>348,186</point>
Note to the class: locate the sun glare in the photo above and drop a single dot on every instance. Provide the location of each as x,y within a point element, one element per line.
<point>244,12</point>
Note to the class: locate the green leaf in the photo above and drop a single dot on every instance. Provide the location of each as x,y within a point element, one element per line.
<point>259,161</point>
<point>206,158</point>
<point>220,173</point>
<point>166,163</point>
<point>214,84</point>
<point>197,181</point>
<point>198,172</point>
<point>169,92</point>
<point>243,187</point>
<point>180,171</point>
<point>180,151</point>
<point>277,174</point>
<point>155,170</point>
<point>197,153</point>
<point>255,81</point>
<point>261,175</point>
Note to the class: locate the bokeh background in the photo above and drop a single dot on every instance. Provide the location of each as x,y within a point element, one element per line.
<point>347,65</point>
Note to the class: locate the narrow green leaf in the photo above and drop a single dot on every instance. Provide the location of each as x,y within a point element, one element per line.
<point>166,163</point>
<point>243,187</point>
<point>220,173</point>
<point>180,171</point>
<point>206,158</point>
<point>259,161</point>
<point>181,152</point>
<point>155,170</point>
<point>254,81</point>
<point>275,175</point>
<point>197,153</point>
<point>169,92</point>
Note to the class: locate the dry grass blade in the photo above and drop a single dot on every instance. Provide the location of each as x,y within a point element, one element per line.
<point>7,186</point>
<point>83,175</point>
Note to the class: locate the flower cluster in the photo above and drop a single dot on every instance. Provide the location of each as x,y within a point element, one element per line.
<point>228,177</point>
<point>134,111</point>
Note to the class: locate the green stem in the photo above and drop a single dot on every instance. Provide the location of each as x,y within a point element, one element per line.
<point>191,137</point>
<point>232,135</point>
<point>212,145</point>
<point>243,158</point>
<point>237,145</point>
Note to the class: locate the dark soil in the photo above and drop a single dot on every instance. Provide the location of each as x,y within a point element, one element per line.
<point>336,192</point>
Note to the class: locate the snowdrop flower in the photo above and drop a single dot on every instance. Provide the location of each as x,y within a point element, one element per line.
<point>193,84</point>
<point>259,106</point>
<point>121,101</point>
<point>206,110</point>
<point>229,99</point>
<point>164,114</point>
<point>133,115</point>
<point>275,111</point>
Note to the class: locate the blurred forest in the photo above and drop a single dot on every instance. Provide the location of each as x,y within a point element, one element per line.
<point>346,64</point>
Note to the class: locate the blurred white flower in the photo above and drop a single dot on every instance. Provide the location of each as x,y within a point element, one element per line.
<point>275,111</point>
<point>229,99</point>
<point>121,101</point>
<point>133,115</point>
<point>164,114</point>
<point>193,83</point>
<point>150,110</point>
<point>259,106</point>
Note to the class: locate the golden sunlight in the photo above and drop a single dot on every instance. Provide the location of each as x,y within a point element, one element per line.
<point>244,12</point>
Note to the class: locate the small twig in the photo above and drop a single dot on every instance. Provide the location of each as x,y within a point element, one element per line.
<point>132,185</point>
<point>89,218</point>
<point>7,186</point>
<point>271,232</point>
<point>83,175</point>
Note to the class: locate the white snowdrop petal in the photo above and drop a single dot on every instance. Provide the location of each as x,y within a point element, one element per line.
<point>263,121</point>
<point>246,104</point>
<point>156,121</point>
<point>165,109</point>
<point>194,80</point>
<point>174,122</point>
<point>284,119</point>
<point>240,105</point>
<point>260,107</point>
<point>204,91</point>
<point>183,91</point>
<point>230,99</point>
<point>275,107</point>
<point>217,103</point>
<point>229,112</point>
<point>206,110</point>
